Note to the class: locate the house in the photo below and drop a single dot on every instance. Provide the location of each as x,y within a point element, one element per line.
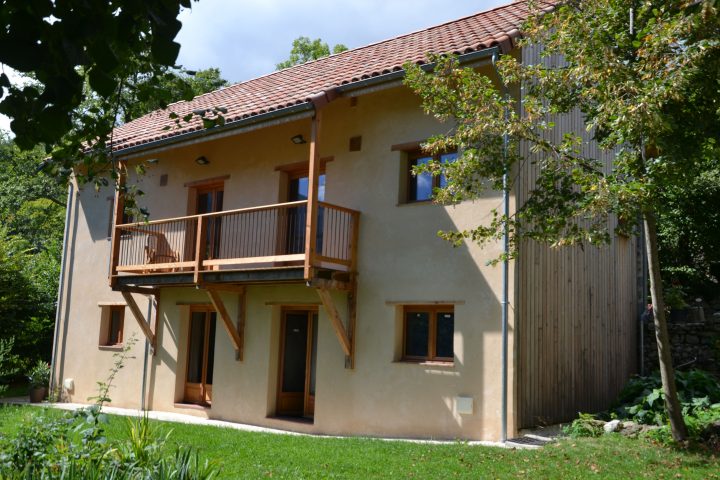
<point>290,275</point>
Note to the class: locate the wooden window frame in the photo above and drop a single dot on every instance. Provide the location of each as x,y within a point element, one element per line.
<point>432,311</point>
<point>106,340</point>
<point>411,180</point>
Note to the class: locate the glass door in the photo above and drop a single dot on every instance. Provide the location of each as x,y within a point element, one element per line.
<point>200,357</point>
<point>298,346</point>
<point>298,190</point>
<point>209,200</point>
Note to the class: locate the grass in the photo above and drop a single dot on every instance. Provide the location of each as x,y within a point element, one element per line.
<point>257,455</point>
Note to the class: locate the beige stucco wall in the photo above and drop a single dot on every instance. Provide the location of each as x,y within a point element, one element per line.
<point>401,259</point>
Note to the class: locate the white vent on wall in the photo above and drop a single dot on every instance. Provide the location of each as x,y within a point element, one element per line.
<point>464,405</point>
<point>69,384</point>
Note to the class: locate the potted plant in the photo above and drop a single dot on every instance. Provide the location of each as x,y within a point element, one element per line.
<point>39,377</point>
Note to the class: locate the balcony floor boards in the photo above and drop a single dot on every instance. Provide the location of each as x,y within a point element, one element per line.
<point>271,275</point>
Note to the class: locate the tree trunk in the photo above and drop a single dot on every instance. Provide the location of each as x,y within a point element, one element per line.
<point>667,373</point>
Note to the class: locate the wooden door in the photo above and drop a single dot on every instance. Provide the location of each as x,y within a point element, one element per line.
<point>200,357</point>
<point>298,355</point>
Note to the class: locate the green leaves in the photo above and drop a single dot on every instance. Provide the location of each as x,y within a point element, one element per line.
<point>99,44</point>
<point>648,98</point>
<point>305,50</point>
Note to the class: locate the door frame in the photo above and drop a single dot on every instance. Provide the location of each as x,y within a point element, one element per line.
<point>308,410</point>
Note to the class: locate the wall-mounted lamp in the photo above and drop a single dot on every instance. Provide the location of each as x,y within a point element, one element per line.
<point>152,161</point>
<point>298,139</point>
<point>202,160</point>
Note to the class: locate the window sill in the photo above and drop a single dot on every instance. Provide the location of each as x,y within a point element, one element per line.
<point>416,203</point>
<point>112,348</point>
<point>427,363</point>
<point>193,406</point>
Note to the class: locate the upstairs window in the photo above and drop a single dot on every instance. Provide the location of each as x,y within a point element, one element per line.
<point>421,186</point>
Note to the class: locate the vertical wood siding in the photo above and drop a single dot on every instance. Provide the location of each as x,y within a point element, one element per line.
<point>576,311</point>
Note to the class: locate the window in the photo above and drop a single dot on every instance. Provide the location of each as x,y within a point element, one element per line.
<point>428,333</point>
<point>420,187</point>
<point>112,325</point>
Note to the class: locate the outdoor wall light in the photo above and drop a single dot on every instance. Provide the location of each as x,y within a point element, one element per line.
<point>298,139</point>
<point>152,161</point>
<point>202,160</point>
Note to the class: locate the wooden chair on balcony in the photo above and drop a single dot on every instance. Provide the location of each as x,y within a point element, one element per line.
<point>159,251</point>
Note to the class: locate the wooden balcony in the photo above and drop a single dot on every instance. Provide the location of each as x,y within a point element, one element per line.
<point>266,244</point>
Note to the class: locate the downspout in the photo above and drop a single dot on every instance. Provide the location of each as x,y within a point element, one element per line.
<point>61,284</point>
<point>145,356</point>
<point>505,271</point>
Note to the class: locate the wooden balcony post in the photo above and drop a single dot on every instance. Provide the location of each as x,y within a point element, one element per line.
<point>312,204</point>
<point>117,219</point>
<point>200,246</point>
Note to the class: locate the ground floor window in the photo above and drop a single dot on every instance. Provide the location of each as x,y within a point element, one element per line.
<point>428,332</point>
<point>112,325</point>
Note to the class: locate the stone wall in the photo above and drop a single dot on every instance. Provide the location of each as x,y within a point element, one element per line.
<point>695,339</point>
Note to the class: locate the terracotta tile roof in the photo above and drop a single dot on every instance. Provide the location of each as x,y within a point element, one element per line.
<point>292,86</point>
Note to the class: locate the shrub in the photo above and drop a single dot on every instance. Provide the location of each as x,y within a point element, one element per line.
<point>643,401</point>
<point>39,375</point>
<point>586,425</point>
<point>74,446</point>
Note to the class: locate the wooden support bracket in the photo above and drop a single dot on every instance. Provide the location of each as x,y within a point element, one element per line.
<point>326,284</point>
<point>337,323</point>
<point>226,321</point>
<point>144,325</point>
<point>140,290</point>
<point>352,316</point>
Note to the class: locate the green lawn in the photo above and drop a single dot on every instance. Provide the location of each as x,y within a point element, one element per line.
<point>255,455</point>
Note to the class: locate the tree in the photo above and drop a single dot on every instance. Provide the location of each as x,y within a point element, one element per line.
<point>75,50</point>
<point>66,44</point>
<point>689,245</point>
<point>25,310</point>
<point>644,74</point>
<point>304,50</point>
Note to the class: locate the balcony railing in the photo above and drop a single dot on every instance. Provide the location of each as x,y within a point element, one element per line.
<point>258,237</point>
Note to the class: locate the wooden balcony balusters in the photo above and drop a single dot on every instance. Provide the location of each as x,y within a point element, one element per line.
<point>259,237</point>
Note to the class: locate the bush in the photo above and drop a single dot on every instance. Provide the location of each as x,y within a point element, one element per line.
<point>74,446</point>
<point>643,401</point>
<point>586,425</point>
<point>39,375</point>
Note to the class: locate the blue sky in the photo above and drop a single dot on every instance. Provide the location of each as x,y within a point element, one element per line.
<point>246,38</point>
